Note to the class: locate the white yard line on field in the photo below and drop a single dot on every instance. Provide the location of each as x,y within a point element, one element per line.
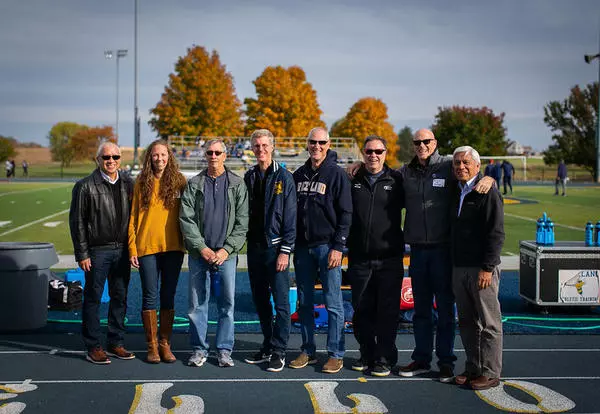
<point>32,190</point>
<point>534,220</point>
<point>33,222</point>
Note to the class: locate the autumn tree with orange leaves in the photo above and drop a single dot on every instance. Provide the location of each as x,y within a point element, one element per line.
<point>368,116</point>
<point>200,99</point>
<point>286,103</point>
<point>86,140</point>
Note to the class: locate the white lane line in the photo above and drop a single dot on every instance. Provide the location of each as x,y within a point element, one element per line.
<point>5,223</point>
<point>534,221</point>
<point>217,380</point>
<point>33,222</point>
<point>52,223</point>
<point>33,190</point>
<point>253,351</point>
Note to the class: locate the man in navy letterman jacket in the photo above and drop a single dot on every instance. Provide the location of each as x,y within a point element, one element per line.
<point>271,237</point>
<point>375,252</point>
<point>324,217</point>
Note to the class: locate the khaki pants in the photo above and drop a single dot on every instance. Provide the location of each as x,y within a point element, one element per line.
<point>480,321</point>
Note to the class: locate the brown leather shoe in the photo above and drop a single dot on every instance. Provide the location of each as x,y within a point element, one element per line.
<point>120,352</point>
<point>333,365</point>
<point>463,378</point>
<point>483,383</point>
<point>97,356</point>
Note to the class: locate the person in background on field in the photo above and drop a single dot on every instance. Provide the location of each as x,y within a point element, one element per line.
<point>25,166</point>
<point>214,222</point>
<point>323,225</point>
<point>375,258</point>
<point>509,172</point>
<point>8,166</point>
<point>477,239</point>
<point>271,238</point>
<point>98,220</point>
<point>493,170</point>
<point>561,178</point>
<point>156,244</point>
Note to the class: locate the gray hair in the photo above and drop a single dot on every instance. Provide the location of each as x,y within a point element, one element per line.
<point>214,141</point>
<point>106,143</point>
<point>469,150</point>
<point>375,138</point>
<point>312,132</point>
<point>259,133</point>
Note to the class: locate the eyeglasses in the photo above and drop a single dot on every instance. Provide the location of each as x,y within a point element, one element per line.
<point>210,153</point>
<point>315,142</point>
<point>377,151</point>
<point>108,157</point>
<point>418,143</point>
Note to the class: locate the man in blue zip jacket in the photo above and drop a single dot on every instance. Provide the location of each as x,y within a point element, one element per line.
<point>271,237</point>
<point>324,217</point>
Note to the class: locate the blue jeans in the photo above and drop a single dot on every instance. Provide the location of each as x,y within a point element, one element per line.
<point>111,263</point>
<point>165,266</point>
<point>431,275</point>
<point>264,279</point>
<point>200,279</point>
<point>310,262</point>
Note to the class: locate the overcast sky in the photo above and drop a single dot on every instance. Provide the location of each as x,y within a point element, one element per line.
<point>510,55</point>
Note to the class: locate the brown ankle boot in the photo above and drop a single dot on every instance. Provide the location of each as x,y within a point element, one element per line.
<point>164,342</point>
<point>151,328</point>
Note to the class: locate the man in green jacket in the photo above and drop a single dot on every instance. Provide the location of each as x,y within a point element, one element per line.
<point>214,223</point>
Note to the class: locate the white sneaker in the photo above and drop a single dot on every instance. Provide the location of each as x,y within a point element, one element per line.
<point>197,359</point>
<point>225,360</point>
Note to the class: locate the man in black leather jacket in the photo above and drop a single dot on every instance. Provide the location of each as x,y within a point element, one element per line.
<point>98,221</point>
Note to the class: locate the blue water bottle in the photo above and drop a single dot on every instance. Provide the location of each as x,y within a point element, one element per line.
<point>589,234</point>
<point>597,233</point>
<point>539,233</point>
<point>550,232</point>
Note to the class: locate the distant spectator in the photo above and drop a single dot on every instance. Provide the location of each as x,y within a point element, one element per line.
<point>25,168</point>
<point>561,178</point>
<point>509,172</point>
<point>493,170</point>
<point>8,165</point>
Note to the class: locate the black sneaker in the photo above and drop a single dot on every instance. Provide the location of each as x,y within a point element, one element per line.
<point>360,364</point>
<point>276,363</point>
<point>413,369</point>
<point>446,374</point>
<point>380,370</point>
<point>258,358</point>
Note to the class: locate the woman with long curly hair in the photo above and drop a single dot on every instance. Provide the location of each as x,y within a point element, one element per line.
<point>156,244</point>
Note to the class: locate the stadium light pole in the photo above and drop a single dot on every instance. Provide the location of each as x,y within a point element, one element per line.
<point>108,54</point>
<point>136,119</point>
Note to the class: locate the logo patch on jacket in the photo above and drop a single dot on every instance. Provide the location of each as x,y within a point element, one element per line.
<point>278,188</point>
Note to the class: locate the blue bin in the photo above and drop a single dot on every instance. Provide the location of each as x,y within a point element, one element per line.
<point>78,274</point>
<point>293,300</point>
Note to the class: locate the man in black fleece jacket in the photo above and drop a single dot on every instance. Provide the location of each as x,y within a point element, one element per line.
<point>375,267</point>
<point>324,217</point>
<point>477,239</point>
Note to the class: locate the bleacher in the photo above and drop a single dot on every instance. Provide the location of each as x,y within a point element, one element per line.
<point>290,151</point>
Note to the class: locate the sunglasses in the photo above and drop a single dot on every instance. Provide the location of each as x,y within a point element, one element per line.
<point>377,151</point>
<point>210,153</point>
<point>108,157</point>
<point>315,142</point>
<point>418,143</point>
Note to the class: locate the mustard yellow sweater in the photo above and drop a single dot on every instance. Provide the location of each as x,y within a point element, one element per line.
<point>156,229</point>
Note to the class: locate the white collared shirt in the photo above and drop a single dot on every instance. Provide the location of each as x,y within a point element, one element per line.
<point>464,190</point>
<point>107,178</point>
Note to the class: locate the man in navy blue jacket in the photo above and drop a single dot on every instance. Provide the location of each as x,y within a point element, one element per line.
<point>323,225</point>
<point>271,237</point>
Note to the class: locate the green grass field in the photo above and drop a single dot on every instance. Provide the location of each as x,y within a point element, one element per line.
<point>40,212</point>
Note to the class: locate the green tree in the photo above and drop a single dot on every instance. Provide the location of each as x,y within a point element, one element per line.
<point>573,123</point>
<point>478,127</point>
<point>286,103</point>
<point>199,99</point>
<point>7,148</point>
<point>61,146</point>
<point>368,116</point>
<point>405,152</point>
